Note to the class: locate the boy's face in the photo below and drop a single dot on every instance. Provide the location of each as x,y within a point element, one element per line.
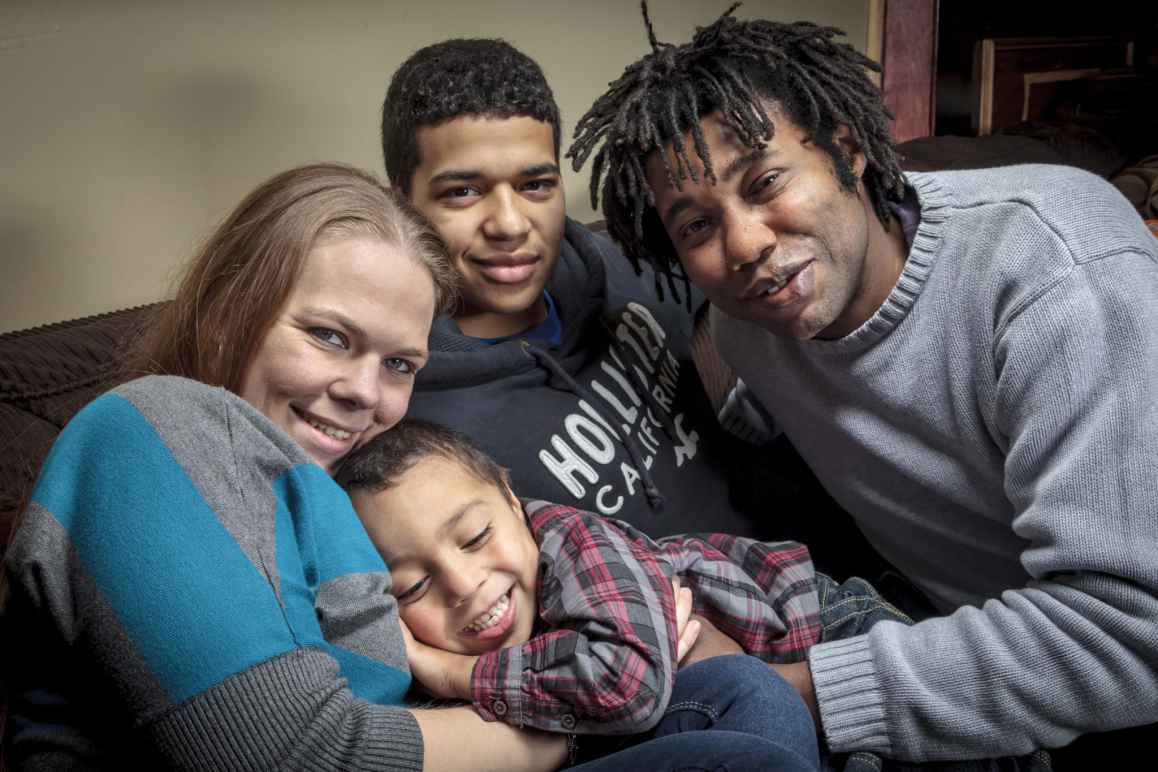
<point>461,555</point>
<point>492,188</point>
<point>777,240</point>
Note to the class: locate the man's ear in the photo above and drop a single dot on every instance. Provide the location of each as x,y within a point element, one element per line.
<point>843,139</point>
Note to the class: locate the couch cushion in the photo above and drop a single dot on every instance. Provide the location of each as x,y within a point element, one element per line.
<point>48,361</point>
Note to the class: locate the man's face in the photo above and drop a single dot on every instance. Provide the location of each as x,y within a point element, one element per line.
<point>776,240</point>
<point>462,557</point>
<point>492,188</point>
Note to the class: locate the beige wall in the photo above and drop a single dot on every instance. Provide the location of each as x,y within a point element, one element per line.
<point>127,129</point>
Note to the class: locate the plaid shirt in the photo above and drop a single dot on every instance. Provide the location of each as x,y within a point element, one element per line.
<point>602,659</point>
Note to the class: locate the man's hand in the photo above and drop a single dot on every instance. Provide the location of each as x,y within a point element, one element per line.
<point>800,677</point>
<point>711,643</point>
<point>442,673</point>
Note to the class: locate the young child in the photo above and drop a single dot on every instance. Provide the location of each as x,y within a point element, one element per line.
<point>549,617</point>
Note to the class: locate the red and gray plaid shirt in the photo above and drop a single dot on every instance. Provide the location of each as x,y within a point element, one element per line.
<point>602,659</point>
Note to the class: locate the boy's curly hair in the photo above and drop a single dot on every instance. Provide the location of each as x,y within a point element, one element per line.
<point>735,69</point>
<point>465,76</point>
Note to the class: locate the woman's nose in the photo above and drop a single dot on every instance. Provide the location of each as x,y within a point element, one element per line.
<point>359,384</point>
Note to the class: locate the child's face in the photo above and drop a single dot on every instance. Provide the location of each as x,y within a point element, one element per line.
<point>461,555</point>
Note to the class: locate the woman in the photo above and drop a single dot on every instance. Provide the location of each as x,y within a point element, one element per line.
<point>188,586</point>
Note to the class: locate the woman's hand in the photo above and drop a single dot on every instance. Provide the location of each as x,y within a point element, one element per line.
<point>442,673</point>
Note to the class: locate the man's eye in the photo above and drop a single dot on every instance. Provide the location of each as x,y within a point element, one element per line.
<point>413,592</point>
<point>694,228</point>
<point>765,182</point>
<point>479,540</point>
<point>329,337</point>
<point>401,366</point>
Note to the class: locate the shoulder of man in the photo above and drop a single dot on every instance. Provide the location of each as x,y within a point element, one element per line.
<point>1086,213</point>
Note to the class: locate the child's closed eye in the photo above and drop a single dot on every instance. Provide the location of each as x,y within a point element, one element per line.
<point>414,592</point>
<point>480,539</point>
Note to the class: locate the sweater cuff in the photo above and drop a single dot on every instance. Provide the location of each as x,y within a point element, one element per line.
<point>849,695</point>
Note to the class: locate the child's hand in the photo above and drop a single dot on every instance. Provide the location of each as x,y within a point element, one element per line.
<point>687,629</point>
<point>442,673</point>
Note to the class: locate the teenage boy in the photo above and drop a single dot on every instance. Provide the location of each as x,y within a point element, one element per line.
<point>966,361</point>
<point>563,364</point>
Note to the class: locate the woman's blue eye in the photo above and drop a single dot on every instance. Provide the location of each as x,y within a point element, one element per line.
<point>329,337</point>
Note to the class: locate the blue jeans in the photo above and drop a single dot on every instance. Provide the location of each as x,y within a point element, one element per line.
<point>851,608</point>
<point>726,713</point>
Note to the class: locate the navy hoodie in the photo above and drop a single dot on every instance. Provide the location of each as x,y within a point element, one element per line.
<point>613,420</point>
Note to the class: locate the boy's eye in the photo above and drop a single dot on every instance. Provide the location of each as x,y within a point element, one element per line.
<point>401,366</point>
<point>414,592</point>
<point>459,193</point>
<point>478,540</point>
<point>329,337</point>
<point>539,186</point>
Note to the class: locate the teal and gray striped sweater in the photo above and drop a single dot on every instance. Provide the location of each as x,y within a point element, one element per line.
<point>188,587</point>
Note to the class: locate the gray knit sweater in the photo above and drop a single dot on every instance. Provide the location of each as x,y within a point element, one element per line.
<point>993,428</point>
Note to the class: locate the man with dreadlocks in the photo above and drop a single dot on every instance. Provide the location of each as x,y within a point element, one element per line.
<point>966,360</point>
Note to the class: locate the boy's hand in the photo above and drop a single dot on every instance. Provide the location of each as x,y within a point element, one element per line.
<point>442,673</point>
<point>687,629</point>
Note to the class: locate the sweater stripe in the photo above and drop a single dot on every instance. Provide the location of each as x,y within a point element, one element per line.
<point>137,542</point>
<point>324,516</point>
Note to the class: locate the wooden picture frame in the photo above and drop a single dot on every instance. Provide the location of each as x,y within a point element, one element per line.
<point>1007,70</point>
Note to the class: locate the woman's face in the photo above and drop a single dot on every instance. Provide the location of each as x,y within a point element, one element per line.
<point>338,364</point>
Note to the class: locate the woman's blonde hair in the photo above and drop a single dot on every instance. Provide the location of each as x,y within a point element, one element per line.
<point>235,285</point>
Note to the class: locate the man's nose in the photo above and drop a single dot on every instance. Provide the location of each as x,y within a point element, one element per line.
<point>748,239</point>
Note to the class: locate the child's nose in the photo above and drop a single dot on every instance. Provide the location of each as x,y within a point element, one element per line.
<point>462,585</point>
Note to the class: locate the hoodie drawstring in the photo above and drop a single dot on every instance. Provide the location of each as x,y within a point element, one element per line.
<point>629,358</point>
<point>545,360</point>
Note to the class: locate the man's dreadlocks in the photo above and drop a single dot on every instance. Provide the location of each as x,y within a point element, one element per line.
<point>731,68</point>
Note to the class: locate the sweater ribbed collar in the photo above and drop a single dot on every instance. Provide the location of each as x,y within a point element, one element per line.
<point>923,251</point>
